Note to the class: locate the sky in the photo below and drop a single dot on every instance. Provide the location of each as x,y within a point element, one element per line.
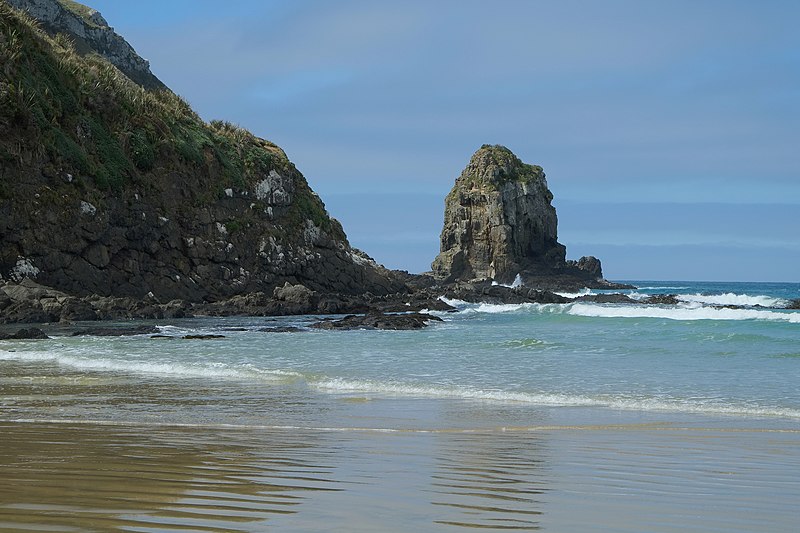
<point>669,131</point>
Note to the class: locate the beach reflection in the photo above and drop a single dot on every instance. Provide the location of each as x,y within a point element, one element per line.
<point>73,477</point>
<point>489,481</point>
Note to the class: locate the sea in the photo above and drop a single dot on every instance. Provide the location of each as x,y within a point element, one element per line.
<point>553,417</point>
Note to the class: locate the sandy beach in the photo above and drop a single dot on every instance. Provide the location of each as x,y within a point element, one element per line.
<point>116,477</point>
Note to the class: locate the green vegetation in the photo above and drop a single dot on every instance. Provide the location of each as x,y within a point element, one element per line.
<point>81,10</point>
<point>80,115</point>
<point>499,165</point>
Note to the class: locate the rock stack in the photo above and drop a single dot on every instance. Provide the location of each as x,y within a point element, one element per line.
<point>499,222</point>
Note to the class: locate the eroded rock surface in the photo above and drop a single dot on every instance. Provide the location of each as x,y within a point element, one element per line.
<point>499,222</point>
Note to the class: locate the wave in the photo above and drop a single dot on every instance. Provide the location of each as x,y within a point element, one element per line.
<point>582,292</point>
<point>730,298</point>
<point>680,313</point>
<point>347,386</point>
<point>686,311</point>
<point>662,288</point>
<point>180,370</point>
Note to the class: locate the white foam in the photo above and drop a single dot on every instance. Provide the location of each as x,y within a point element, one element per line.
<point>345,386</point>
<point>684,312</point>
<point>212,370</point>
<point>730,298</point>
<point>582,292</point>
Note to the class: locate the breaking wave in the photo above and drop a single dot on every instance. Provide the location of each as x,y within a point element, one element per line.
<point>212,370</point>
<point>680,313</point>
<point>685,311</point>
<point>346,386</point>
<point>733,299</point>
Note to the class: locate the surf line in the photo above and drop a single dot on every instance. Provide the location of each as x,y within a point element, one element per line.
<point>501,429</point>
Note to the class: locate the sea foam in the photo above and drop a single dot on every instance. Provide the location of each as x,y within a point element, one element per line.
<point>733,299</point>
<point>210,370</point>
<point>380,388</point>
<point>680,313</point>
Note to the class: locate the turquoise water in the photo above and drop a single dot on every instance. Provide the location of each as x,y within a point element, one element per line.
<point>694,358</point>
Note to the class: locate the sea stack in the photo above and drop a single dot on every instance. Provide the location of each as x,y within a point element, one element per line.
<point>499,222</point>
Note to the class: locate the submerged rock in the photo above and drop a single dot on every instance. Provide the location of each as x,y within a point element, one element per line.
<point>378,320</point>
<point>24,333</point>
<point>116,331</point>
<point>661,299</point>
<point>282,329</point>
<point>614,298</point>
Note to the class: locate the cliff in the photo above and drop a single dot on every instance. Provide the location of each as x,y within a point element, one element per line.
<point>90,33</point>
<point>113,189</point>
<point>499,222</point>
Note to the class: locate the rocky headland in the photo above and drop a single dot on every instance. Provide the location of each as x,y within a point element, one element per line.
<point>116,189</point>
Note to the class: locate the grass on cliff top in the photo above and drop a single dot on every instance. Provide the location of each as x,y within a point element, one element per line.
<point>82,11</point>
<point>82,116</point>
<point>494,165</point>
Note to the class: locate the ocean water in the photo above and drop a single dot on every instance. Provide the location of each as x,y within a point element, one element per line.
<point>557,417</point>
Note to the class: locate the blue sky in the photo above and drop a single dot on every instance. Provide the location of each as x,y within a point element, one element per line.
<point>669,131</point>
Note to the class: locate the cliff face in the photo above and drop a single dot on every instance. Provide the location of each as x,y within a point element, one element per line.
<point>90,32</point>
<point>499,222</point>
<point>108,188</point>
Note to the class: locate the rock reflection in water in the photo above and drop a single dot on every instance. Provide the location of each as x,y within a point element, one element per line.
<point>489,481</point>
<point>77,477</point>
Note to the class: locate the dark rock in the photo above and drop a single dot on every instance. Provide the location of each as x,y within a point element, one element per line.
<point>115,331</point>
<point>614,298</point>
<point>589,264</point>
<point>378,320</point>
<point>203,337</point>
<point>25,333</point>
<point>176,309</point>
<point>793,304</point>
<point>74,309</point>
<point>5,300</point>
<point>162,337</point>
<point>661,299</point>
<point>27,312</point>
<point>282,329</point>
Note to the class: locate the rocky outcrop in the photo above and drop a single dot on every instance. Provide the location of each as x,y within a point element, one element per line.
<point>499,222</point>
<point>24,334</point>
<point>110,190</point>
<point>90,32</point>
<point>378,320</point>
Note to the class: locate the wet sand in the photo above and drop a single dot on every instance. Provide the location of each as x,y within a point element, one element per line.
<point>116,477</point>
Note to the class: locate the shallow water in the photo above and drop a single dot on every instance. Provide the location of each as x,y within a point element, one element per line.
<point>88,477</point>
<point>561,417</point>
